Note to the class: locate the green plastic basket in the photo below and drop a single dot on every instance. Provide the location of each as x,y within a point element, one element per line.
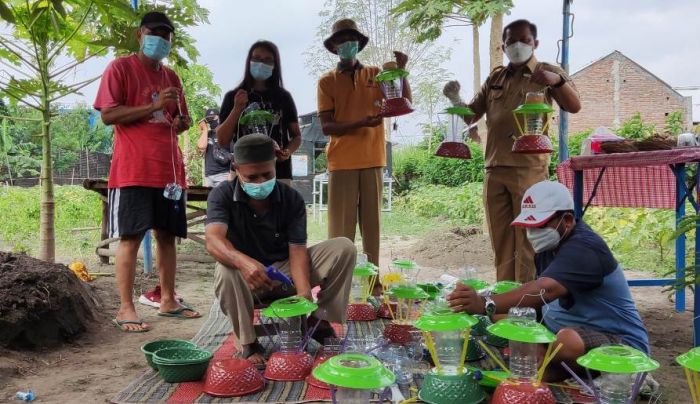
<point>177,365</point>
<point>150,348</point>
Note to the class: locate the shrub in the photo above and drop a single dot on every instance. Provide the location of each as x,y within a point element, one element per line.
<point>461,204</point>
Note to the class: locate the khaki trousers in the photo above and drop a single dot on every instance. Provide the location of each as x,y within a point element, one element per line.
<point>332,262</point>
<point>503,192</point>
<point>353,195</point>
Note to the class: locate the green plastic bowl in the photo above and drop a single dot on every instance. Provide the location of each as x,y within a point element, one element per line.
<point>177,365</point>
<point>150,348</point>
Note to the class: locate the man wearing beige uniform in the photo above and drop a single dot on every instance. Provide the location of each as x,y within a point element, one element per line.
<point>509,174</point>
<point>255,222</point>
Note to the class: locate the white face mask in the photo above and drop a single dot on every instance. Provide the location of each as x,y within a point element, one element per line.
<point>519,52</point>
<point>545,238</point>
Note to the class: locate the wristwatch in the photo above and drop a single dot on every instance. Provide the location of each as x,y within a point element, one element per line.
<point>561,82</point>
<point>489,305</point>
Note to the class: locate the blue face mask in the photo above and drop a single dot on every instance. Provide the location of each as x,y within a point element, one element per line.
<point>260,71</point>
<point>155,47</point>
<point>258,191</point>
<point>348,50</point>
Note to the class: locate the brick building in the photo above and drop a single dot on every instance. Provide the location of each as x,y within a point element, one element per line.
<point>614,87</point>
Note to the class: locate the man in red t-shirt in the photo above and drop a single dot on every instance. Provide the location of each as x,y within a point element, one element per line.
<point>143,100</point>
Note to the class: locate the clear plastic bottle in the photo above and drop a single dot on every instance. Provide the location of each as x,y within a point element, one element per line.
<point>523,356</point>
<point>290,334</point>
<point>615,388</point>
<point>448,349</point>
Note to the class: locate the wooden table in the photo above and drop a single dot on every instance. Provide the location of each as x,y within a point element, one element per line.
<point>195,215</point>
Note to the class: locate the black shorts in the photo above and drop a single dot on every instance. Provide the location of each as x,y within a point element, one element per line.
<point>133,210</point>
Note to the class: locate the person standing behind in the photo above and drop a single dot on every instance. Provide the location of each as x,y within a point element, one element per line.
<point>143,100</point>
<point>348,102</point>
<point>509,174</point>
<point>217,159</point>
<point>262,84</point>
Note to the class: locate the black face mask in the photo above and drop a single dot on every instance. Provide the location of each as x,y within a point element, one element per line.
<point>213,123</point>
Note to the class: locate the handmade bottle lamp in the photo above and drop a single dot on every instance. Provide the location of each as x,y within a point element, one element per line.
<point>622,372</point>
<point>290,362</point>
<point>453,146</point>
<point>353,377</point>
<point>331,347</point>
<point>409,298</point>
<point>401,272</point>
<point>690,361</point>
<point>532,120</point>
<point>257,121</point>
<point>524,385</point>
<point>504,286</point>
<point>364,277</point>
<point>390,80</point>
<point>447,338</point>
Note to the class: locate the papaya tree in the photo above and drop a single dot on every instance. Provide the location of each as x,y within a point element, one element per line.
<point>43,44</point>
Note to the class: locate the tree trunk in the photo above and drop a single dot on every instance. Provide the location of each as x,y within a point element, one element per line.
<point>46,226</point>
<point>495,52</point>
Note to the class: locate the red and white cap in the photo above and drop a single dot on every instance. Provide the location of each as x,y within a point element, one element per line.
<point>541,201</point>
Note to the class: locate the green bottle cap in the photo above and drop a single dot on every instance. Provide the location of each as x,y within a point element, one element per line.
<point>404,264</point>
<point>407,292</point>
<point>289,307</point>
<point>476,284</point>
<point>617,359</point>
<point>690,359</point>
<point>539,108</point>
<point>504,286</point>
<point>257,117</point>
<point>522,330</point>
<point>444,319</point>
<point>354,371</point>
<point>391,75</point>
<point>367,269</point>
<point>460,110</point>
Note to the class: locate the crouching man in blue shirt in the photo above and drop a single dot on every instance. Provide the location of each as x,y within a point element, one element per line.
<point>580,288</point>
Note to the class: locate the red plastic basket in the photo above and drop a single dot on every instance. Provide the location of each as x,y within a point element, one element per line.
<point>399,333</point>
<point>310,379</point>
<point>384,311</point>
<point>361,312</point>
<point>457,150</point>
<point>510,392</point>
<point>232,378</point>
<point>533,144</point>
<point>288,366</point>
<point>395,107</point>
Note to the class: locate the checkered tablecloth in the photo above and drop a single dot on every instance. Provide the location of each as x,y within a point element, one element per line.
<point>631,180</point>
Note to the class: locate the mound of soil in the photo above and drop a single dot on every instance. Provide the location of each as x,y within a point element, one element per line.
<point>41,304</point>
<point>453,248</point>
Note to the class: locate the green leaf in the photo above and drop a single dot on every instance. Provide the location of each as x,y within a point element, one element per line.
<point>6,12</point>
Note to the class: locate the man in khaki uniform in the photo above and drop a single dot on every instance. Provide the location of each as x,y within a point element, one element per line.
<point>254,222</point>
<point>348,103</point>
<point>509,174</point>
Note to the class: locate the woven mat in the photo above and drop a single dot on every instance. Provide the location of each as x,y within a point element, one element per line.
<point>216,337</point>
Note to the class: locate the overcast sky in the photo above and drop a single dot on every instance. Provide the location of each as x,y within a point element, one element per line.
<point>662,36</point>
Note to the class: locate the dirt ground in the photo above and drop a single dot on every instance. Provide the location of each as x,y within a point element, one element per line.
<point>104,360</point>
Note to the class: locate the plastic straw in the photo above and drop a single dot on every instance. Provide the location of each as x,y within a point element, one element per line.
<point>637,386</point>
<point>493,356</point>
<point>691,386</point>
<point>697,384</point>
<point>545,362</point>
<point>580,381</point>
<point>431,349</point>
<point>463,357</point>
<point>388,306</point>
<point>595,391</point>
